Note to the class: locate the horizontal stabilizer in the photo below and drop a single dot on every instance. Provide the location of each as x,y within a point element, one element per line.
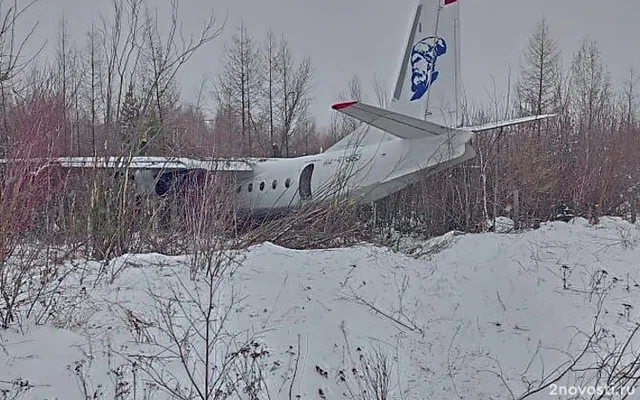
<point>402,126</point>
<point>161,163</point>
<point>502,124</point>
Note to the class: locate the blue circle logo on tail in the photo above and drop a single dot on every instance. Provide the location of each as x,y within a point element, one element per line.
<point>424,55</point>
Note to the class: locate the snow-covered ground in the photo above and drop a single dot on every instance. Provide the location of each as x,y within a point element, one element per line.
<point>475,316</point>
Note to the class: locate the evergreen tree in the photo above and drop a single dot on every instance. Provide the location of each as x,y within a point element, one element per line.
<point>130,113</point>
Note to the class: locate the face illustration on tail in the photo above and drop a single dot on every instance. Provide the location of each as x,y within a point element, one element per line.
<point>424,55</point>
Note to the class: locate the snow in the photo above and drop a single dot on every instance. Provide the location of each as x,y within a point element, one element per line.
<point>456,320</point>
<point>500,225</point>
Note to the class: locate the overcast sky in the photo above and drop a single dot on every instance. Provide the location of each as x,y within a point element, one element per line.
<point>366,37</point>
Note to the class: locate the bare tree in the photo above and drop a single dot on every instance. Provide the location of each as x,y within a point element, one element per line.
<point>630,100</point>
<point>165,55</point>
<point>94,68</point>
<point>69,79</point>
<point>295,86</point>
<point>62,52</point>
<point>226,123</point>
<point>539,73</point>
<point>120,46</point>
<point>12,60</point>
<point>342,125</point>
<point>305,133</point>
<point>240,80</point>
<point>270,66</point>
<point>591,86</point>
<point>592,111</point>
<point>381,92</point>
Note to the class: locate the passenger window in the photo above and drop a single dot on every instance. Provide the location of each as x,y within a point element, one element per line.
<point>261,185</point>
<point>250,187</point>
<point>274,184</point>
<point>287,183</point>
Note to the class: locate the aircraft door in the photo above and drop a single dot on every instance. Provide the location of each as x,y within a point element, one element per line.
<point>304,185</point>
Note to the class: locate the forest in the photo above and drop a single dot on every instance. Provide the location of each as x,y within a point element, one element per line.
<point>117,93</point>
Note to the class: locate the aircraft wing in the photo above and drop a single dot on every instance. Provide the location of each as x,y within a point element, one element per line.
<point>501,124</point>
<point>402,126</point>
<point>144,163</point>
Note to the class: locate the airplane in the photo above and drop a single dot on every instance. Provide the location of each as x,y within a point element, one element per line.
<point>419,133</point>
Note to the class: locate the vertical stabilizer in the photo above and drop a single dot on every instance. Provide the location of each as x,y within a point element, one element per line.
<point>428,84</point>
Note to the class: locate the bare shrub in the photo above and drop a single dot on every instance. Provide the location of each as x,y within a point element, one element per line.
<point>208,216</point>
<point>323,225</point>
<point>193,353</point>
<point>369,377</point>
<point>373,378</point>
<point>27,268</point>
<point>601,362</point>
<point>14,390</point>
<point>190,349</point>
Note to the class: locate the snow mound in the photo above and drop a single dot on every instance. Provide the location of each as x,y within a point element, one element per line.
<point>478,317</point>
<point>501,225</point>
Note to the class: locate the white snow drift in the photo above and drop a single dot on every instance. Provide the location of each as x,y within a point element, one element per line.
<point>485,316</point>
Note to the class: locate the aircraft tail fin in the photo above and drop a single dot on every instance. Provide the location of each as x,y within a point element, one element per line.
<point>428,83</point>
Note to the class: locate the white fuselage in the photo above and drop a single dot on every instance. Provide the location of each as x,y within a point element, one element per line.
<point>365,172</point>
